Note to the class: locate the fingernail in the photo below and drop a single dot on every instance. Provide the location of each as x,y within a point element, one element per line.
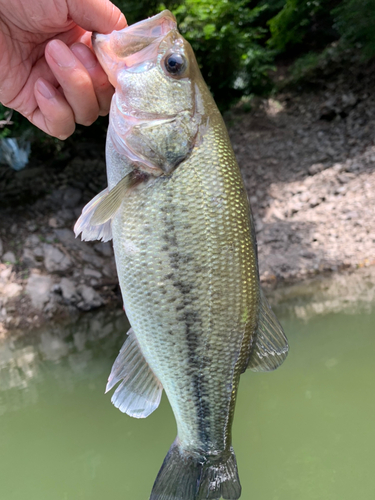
<point>85,55</point>
<point>61,54</point>
<point>45,90</point>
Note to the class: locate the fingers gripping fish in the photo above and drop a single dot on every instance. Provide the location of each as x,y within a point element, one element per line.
<point>185,250</point>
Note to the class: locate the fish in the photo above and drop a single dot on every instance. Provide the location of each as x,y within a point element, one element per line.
<point>184,241</point>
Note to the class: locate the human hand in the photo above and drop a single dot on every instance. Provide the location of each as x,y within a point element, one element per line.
<point>48,72</point>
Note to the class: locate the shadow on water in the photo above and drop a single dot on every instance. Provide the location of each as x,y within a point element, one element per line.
<point>304,432</point>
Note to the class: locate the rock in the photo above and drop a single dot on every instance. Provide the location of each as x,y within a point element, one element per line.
<point>5,274</point>
<point>38,288</point>
<point>71,197</point>
<point>307,254</point>
<point>38,253</point>
<point>1,248</point>
<point>77,211</point>
<point>67,238</point>
<point>88,255</point>
<point>68,290</point>
<point>87,271</point>
<point>109,270</point>
<point>55,260</point>
<point>315,201</point>
<point>65,215</point>
<point>52,222</point>
<point>28,258</point>
<point>56,197</point>
<point>11,290</point>
<point>104,249</point>
<point>316,168</point>
<point>32,241</point>
<point>13,229</point>
<point>51,307</point>
<point>90,298</point>
<point>9,257</point>
<point>31,226</point>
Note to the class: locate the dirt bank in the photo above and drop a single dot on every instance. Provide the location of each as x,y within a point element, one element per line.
<point>308,161</point>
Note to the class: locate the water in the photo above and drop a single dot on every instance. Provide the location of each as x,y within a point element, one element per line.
<point>304,432</point>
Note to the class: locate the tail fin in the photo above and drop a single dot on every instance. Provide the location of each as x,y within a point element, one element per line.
<point>186,477</point>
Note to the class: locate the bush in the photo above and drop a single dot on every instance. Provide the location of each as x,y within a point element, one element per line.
<point>355,21</point>
<point>226,41</point>
<point>137,10</point>
<point>13,123</point>
<point>304,23</point>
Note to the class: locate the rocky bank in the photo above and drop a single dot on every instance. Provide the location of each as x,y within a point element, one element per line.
<point>308,160</point>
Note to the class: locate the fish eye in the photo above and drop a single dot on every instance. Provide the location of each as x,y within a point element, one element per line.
<point>175,64</point>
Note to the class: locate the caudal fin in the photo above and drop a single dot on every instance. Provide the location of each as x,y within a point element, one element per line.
<point>186,477</point>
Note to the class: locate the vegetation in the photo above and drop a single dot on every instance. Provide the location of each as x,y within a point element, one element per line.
<point>355,21</point>
<point>239,42</point>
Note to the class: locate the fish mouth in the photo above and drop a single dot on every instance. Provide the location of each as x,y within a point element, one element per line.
<point>134,45</point>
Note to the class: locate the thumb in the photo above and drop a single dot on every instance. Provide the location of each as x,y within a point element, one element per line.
<point>96,15</point>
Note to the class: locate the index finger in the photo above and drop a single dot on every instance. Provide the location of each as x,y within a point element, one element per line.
<point>96,15</point>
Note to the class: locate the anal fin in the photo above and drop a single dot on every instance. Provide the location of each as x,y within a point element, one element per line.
<point>140,391</point>
<point>270,346</point>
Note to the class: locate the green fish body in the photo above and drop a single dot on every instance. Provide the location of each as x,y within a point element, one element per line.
<point>186,257</point>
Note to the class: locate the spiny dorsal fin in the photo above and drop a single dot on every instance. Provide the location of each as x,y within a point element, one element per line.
<point>270,347</point>
<point>84,225</point>
<point>109,205</point>
<point>140,391</point>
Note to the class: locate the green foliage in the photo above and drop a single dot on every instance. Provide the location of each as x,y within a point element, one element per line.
<point>313,66</point>
<point>303,22</point>
<point>355,21</point>
<point>290,24</point>
<point>5,121</point>
<point>226,41</point>
<point>136,10</point>
<point>236,42</point>
<point>13,124</point>
<point>303,66</point>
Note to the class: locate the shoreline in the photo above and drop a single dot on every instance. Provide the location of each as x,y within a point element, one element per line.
<point>308,163</point>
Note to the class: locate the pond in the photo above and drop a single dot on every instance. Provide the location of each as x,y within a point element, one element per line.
<point>304,432</point>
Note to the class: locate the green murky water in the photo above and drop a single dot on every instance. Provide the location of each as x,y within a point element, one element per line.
<point>304,432</point>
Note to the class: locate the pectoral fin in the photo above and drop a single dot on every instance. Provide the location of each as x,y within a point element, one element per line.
<point>270,347</point>
<point>140,391</point>
<point>109,205</point>
<point>95,220</point>
<point>85,226</point>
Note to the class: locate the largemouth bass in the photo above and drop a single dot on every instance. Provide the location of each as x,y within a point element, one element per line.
<point>186,256</point>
